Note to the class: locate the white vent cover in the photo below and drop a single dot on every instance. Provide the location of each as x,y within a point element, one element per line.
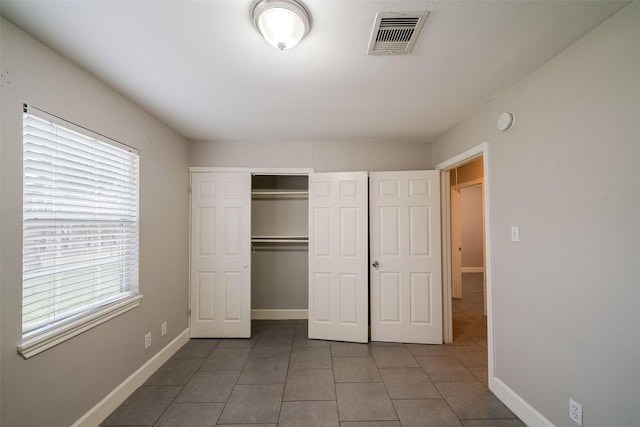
<point>395,32</point>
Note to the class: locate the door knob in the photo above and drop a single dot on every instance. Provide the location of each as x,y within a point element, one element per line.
<point>375,264</point>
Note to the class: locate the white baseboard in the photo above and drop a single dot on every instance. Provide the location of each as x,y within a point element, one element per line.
<point>106,406</point>
<point>279,314</point>
<point>472,269</point>
<point>518,405</point>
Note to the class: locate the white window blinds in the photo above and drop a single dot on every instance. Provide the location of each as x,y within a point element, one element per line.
<point>80,223</point>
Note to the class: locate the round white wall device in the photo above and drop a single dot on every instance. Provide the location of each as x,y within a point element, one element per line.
<point>506,121</point>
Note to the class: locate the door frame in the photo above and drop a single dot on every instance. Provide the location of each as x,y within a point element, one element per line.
<point>456,240</point>
<point>255,171</point>
<point>445,167</point>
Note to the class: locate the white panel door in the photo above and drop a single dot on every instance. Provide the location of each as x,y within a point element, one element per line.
<point>406,290</point>
<point>338,251</point>
<point>220,255</point>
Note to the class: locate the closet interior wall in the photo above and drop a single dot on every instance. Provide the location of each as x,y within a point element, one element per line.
<point>279,243</point>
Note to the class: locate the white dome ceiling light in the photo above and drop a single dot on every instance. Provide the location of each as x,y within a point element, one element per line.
<point>282,23</point>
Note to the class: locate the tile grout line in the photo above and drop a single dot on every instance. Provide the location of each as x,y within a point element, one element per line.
<point>183,385</point>
<point>333,377</point>
<point>284,386</point>
<point>237,379</point>
<point>234,383</point>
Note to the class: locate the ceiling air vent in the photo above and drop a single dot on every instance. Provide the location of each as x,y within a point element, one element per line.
<point>395,32</point>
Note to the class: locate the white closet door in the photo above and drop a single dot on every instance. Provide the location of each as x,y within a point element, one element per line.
<point>406,291</point>
<point>338,267</point>
<point>220,255</point>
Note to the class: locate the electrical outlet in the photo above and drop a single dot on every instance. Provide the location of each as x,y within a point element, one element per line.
<point>163,327</point>
<point>575,412</point>
<point>147,341</point>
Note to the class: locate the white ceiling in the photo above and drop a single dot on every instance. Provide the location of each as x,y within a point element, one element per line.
<point>202,68</point>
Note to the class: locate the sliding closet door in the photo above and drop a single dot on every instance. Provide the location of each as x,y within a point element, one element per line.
<point>338,251</point>
<point>406,289</point>
<point>220,255</point>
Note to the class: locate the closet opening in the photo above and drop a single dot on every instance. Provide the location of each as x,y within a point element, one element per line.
<point>279,246</point>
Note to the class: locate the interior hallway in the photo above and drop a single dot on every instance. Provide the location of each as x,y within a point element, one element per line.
<point>470,326</point>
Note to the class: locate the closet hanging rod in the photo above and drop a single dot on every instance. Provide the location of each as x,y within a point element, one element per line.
<point>284,238</point>
<point>279,241</point>
<point>270,194</point>
<point>279,191</point>
<point>288,172</point>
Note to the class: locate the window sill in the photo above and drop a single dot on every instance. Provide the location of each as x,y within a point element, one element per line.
<point>52,337</point>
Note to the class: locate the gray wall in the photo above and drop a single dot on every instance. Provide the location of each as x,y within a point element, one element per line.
<point>279,277</point>
<point>565,299</point>
<point>57,387</point>
<point>471,226</point>
<point>323,157</point>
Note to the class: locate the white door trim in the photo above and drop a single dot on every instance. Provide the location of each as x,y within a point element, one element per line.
<point>255,171</point>
<point>456,242</point>
<point>445,237</point>
<point>445,167</point>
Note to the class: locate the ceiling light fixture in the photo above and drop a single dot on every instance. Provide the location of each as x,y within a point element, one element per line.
<point>282,23</point>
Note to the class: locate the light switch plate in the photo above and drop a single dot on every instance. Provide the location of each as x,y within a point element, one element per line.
<point>515,233</point>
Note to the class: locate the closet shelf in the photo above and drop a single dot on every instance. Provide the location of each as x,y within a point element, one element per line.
<point>280,194</point>
<point>279,239</point>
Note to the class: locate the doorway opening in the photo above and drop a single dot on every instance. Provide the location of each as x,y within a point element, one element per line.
<point>467,315</point>
<point>468,291</point>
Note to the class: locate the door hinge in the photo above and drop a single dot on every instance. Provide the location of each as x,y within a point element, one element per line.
<point>189,189</point>
<point>189,312</point>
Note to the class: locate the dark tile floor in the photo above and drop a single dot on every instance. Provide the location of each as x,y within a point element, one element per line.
<point>281,378</point>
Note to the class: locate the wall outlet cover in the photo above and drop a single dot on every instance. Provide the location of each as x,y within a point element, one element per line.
<point>575,412</point>
<point>147,341</point>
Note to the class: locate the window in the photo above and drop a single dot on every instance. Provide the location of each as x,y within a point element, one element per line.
<point>80,230</point>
